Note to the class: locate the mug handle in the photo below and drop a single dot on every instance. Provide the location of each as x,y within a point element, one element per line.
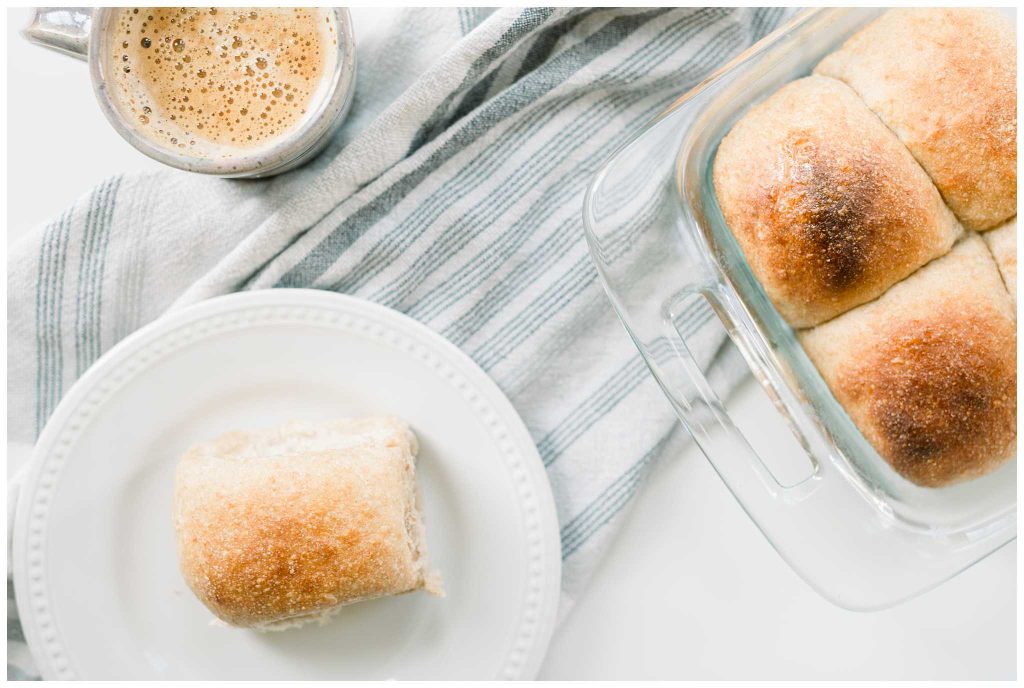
<point>64,29</point>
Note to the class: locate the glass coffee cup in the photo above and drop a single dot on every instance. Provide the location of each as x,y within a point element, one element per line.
<point>229,92</point>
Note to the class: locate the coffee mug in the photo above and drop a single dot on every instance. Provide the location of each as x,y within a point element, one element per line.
<point>306,115</point>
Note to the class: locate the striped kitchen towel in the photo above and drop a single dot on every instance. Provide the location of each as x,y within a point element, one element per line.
<point>453,193</point>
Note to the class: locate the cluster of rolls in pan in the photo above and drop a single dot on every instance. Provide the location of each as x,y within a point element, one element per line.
<point>875,201</point>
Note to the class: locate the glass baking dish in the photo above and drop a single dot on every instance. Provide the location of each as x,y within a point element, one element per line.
<point>854,529</point>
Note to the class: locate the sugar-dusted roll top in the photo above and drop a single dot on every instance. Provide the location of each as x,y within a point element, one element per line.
<point>282,526</point>
<point>828,206</point>
<point>928,372</point>
<point>945,80</point>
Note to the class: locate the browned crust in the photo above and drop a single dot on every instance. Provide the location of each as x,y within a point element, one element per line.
<point>928,372</point>
<point>939,394</point>
<point>829,208</point>
<point>269,539</point>
<point>945,81</point>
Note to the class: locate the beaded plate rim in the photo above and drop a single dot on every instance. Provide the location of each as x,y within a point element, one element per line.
<point>245,310</point>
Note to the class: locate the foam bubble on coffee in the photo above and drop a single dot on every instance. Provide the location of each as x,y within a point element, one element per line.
<point>219,81</point>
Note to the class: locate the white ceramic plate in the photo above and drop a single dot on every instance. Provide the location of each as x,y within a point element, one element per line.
<point>96,574</point>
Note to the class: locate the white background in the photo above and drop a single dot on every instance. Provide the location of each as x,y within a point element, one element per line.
<point>690,588</point>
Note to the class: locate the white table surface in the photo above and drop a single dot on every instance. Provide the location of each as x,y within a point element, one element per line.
<point>690,588</point>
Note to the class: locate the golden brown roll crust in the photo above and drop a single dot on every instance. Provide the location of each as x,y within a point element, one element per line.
<point>828,206</point>
<point>928,372</point>
<point>286,525</point>
<point>1002,243</point>
<point>945,80</point>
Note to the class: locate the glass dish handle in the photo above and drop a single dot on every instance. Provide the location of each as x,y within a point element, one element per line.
<point>702,411</point>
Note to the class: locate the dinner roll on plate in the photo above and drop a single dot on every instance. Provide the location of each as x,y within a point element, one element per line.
<point>283,526</point>
<point>928,372</point>
<point>945,80</point>
<point>828,206</point>
<point>1002,243</point>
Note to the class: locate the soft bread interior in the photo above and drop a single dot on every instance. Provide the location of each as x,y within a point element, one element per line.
<point>1002,243</point>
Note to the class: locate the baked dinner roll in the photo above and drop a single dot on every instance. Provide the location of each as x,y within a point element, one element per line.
<point>945,80</point>
<point>1002,243</point>
<point>283,526</point>
<point>928,372</point>
<point>826,203</point>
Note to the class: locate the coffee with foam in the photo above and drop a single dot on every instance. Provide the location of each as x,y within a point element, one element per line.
<point>219,82</point>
